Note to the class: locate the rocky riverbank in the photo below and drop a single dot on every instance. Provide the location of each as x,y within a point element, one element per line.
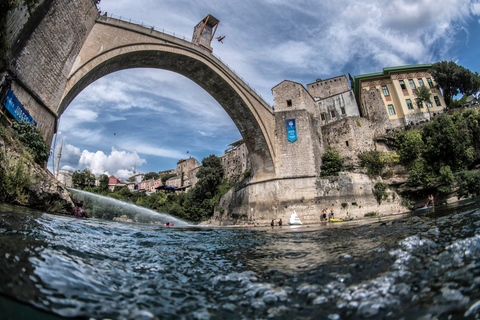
<point>26,183</point>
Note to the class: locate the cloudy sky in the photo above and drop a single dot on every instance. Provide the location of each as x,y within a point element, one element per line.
<point>153,118</point>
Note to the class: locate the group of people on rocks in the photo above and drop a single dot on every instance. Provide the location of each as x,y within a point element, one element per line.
<point>323,217</point>
<point>280,222</point>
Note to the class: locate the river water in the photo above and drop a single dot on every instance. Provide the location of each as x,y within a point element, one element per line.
<point>419,265</point>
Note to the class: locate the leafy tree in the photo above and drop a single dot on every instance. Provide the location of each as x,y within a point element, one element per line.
<point>447,143</point>
<point>103,182</point>
<point>380,191</point>
<point>424,97</point>
<point>372,160</point>
<point>410,145</point>
<point>332,162</point>
<point>150,175</point>
<point>468,183</point>
<point>210,176</point>
<point>446,179</point>
<point>83,178</point>
<point>33,141</point>
<point>454,79</point>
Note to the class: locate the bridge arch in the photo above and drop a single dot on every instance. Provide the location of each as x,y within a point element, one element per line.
<point>115,45</point>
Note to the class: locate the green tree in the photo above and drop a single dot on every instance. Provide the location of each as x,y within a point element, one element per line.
<point>447,142</point>
<point>151,175</point>
<point>424,97</point>
<point>83,178</point>
<point>372,160</point>
<point>332,162</point>
<point>210,176</point>
<point>33,141</point>
<point>103,182</point>
<point>454,79</point>
<point>410,146</point>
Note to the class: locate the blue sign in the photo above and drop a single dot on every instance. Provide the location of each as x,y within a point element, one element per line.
<point>17,110</point>
<point>291,130</point>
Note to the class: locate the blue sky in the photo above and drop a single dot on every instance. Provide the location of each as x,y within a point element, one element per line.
<point>152,117</point>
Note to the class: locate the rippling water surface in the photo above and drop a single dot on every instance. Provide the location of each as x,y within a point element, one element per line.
<point>419,266</point>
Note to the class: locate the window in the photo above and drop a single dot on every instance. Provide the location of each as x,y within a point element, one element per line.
<point>323,116</point>
<point>343,110</point>
<point>332,113</point>
<point>430,82</point>
<point>420,82</point>
<point>385,90</point>
<point>429,105</point>
<point>289,103</point>
<point>419,103</point>
<point>391,109</point>
<point>409,104</point>
<point>412,84</point>
<point>402,84</point>
<point>437,101</point>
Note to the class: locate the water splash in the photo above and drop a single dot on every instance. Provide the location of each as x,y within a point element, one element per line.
<point>108,207</point>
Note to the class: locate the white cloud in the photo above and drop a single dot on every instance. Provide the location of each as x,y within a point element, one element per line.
<point>119,162</point>
<point>147,149</point>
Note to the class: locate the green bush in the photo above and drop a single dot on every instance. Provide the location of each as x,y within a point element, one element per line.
<point>468,183</point>
<point>332,162</point>
<point>370,214</point>
<point>379,191</point>
<point>372,160</point>
<point>33,141</point>
<point>15,179</point>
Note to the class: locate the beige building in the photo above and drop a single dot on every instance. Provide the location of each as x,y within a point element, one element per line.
<point>186,174</point>
<point>391,92</point>
<point>65,177</point>
<point>236,160</point>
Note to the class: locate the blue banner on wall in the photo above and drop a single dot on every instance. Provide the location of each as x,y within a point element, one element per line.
<point>17,110</point>
<point>291,130</point>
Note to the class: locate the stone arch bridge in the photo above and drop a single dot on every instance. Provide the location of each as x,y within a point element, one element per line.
<point>114,45</point>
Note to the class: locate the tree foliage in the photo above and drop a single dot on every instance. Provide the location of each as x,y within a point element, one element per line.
<point>454,79</point>
<point>198,203</point>
<point>83,178</point>
<point>103,182</point>
<point>332,162</point>
<point>423,95</point>
<point>150,176</point>
<point>410,145</point>
<point>33,141</point>
<point>437,155</point>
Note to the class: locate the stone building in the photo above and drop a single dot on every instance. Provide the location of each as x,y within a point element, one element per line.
<point>387,97</point>
<point>235,161</point>
<point>65,177</point>
<point>334,99</point>
<point>186,174</point>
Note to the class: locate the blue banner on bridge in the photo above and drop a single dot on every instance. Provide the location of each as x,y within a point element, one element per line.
<point>17,110</point>
<point>291,130</point>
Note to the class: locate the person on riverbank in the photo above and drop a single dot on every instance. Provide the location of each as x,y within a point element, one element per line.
<point>272,223</point>
<point>280,222</point>
<point>431,201</point>
<point>332,215</point>
<point>78,211</point>
<point>323,217</point>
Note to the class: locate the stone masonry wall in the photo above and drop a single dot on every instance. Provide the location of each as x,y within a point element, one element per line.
<point>44,57</point>
<point>295,159</point>
<point>329,87</point>
<point>42,116</point>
